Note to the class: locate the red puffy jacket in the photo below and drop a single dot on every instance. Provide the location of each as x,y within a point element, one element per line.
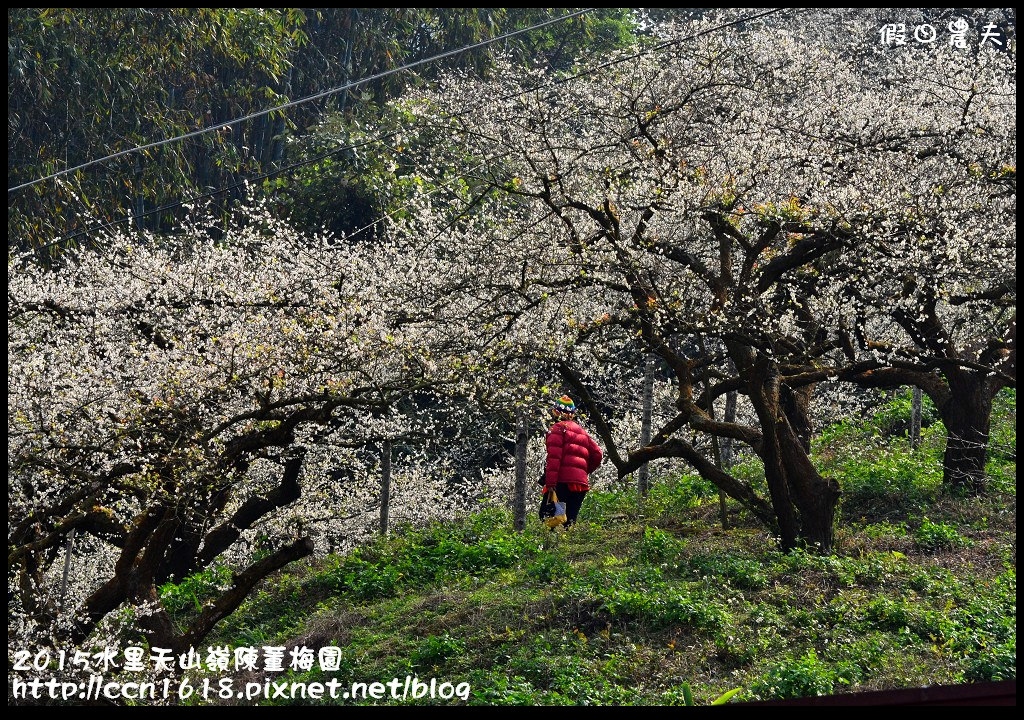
<point>572,456</point>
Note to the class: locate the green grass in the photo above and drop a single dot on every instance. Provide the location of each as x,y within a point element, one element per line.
<point>666,607</point>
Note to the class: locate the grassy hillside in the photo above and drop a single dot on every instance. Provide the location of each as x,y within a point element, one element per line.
<point>638,609</point>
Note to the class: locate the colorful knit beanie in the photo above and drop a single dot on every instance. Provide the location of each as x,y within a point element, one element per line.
<point>563,407</point>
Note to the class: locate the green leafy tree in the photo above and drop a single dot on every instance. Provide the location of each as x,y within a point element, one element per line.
<point>85,83</point>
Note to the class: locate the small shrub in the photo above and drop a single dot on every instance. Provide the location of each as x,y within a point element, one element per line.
<point>999,663</point>
<point>934,536</point>
<point>750,469</point>
<point>884,530</point>
<point>666,606</point>
<point>437,650</point>
<point>891,473</point>
<point>498,688</point>
<point>803,677</point>
<point>893,418</point>
<point>432,555</point>
<point>642,594</point>
<point>876,568</point>
<point>886,614</point>
<point>548,568</point>
<point>657,546</point>
<point>190,594</point>
<point>744,572</point>
<point>1001,467</point>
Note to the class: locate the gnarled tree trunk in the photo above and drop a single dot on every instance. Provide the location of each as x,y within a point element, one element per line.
<point>967,416</point>
<point>803,500</point>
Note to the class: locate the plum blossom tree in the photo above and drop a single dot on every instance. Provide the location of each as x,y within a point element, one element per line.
<point>722,190</point>
<point>932,302</point>
<point>154,387</point>
<point>759,211</point>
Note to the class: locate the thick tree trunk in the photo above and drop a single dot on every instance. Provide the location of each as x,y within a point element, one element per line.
<point>967,417</point>
<point>106,598</point>
<point>815,497</point>
<point>804,502</point>
<point>963,398</point>
<point>967,413</point>
<point>797,406</point>
<point>778,489</point>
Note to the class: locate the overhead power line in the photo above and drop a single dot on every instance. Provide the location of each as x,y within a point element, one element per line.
<point>300,101</point>
<point>220,191</point>
<point>670,43</point>
<point>381,138</point>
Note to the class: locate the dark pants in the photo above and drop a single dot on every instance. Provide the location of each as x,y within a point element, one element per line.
<point>572,499</point>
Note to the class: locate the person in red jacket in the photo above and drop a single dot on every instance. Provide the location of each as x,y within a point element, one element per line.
<point>572,456</point>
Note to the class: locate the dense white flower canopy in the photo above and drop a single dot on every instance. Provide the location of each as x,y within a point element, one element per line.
<point>761,210</point>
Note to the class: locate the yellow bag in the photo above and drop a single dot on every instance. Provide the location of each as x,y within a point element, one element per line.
<point>552,512</point>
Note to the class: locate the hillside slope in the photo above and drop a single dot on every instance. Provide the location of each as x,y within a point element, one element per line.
<point>641,607</point>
